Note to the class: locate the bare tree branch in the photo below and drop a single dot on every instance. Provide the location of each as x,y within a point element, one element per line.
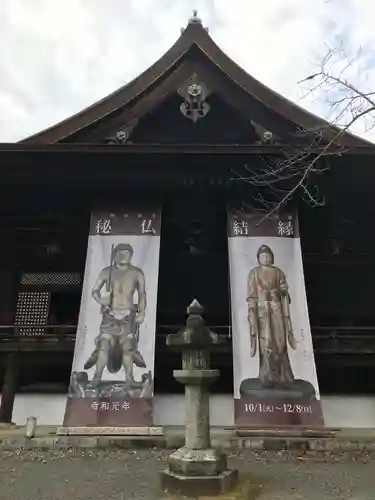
<point>279,179</point>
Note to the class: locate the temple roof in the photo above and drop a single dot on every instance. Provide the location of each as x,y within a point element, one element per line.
<point>193,39</point>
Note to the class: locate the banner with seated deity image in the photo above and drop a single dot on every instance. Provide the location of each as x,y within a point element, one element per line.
<point>113,367</point>
<point>275,382</point>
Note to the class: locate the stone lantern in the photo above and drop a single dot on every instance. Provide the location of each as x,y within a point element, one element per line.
<point>197,468</point>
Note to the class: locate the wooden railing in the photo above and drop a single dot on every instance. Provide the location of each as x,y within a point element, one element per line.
<point>326,339</point>
<point>52,331</point>
<point>47,331</point>
<point>164,330</point>
<point>37,337</point>
<point>342,331</point>
<point>344,340</point>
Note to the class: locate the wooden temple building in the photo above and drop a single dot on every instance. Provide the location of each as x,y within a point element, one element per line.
<point>177,133</point>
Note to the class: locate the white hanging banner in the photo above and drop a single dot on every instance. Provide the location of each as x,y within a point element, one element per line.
<point>275,382</point>
<point>113,367</point>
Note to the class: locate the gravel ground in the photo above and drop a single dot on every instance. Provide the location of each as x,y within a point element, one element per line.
<point>124,475</point>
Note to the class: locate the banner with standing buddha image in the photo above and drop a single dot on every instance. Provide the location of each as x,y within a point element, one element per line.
<point>113,367</point>
<point>275,382</point>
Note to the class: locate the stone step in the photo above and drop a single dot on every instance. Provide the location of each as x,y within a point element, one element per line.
<point>109,431</point>
<point>173,441</point>
<point>286,432</point>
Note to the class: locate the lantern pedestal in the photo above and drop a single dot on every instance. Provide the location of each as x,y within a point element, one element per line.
<point>196,468</point>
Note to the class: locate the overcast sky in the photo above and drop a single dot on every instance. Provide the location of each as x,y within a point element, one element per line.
<point>59,56</point>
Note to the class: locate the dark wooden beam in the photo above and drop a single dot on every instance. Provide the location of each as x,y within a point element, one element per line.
<point>211,149</point>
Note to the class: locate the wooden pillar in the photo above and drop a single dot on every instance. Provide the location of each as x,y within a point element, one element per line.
<point>8,294</point>
<point>9,388</point>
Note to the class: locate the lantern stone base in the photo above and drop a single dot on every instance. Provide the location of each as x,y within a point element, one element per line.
<point>208,462</point>
<point>198,472</point>
<point>193,486</point>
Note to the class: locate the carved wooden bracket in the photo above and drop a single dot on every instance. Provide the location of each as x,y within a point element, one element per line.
<point>265,136</point>
<point>122,135</point>
<point>194,92</point>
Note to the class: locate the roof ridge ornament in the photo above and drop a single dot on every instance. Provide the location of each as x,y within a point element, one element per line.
<point>194,19</point>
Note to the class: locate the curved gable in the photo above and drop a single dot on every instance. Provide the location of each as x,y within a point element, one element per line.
<point>125,100</point>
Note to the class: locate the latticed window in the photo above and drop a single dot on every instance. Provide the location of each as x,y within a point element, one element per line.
<point>33,305</point>
<point>32,309</point>
<point>51,279</point>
